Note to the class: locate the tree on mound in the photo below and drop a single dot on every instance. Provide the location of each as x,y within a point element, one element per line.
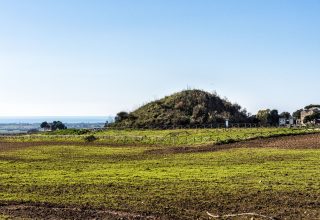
<point>189,107</point>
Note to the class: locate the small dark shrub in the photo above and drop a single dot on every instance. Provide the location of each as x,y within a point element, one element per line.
<point>90,138</point>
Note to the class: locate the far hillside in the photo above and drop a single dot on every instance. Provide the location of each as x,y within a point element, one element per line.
<point>189,107</point>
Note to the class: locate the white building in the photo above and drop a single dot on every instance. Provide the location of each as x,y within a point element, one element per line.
<point>286,122</point>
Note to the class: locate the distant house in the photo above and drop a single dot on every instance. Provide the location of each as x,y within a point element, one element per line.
<point>286,122</point>
<point>308,112</point>
<point>282,121</point>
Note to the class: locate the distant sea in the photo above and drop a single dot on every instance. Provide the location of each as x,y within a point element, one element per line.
<point>64,119</point>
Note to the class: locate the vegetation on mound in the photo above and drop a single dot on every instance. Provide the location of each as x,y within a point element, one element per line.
<point>311,106</point>
<point>189,107</point>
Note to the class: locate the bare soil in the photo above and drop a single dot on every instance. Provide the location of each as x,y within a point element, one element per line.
<point>308,141</point>
<point>276,206</point>
<point>47,211</point>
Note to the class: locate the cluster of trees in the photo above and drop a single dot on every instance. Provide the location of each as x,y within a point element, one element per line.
<point>312,106</point>
<point>312,118</point>
<point>265,117</point>
<point>315,117</point>
<point>55,125</point>
<point>271,117</point>
<point>121,116</point>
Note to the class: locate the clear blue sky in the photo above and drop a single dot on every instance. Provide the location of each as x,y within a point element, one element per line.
<point>97,57</point>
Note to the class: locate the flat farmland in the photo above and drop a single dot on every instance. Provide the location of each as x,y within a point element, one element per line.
<point>278,178</point>
<point>164,138</point>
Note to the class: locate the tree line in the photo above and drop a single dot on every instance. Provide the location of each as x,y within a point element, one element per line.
<point>55,125</point>
<point>263,117</point>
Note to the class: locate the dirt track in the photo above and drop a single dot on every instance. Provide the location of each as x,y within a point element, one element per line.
<point>309,141</point>
<point>276,206</point>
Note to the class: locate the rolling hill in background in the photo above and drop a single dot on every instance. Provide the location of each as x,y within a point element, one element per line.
<point>189,107</point>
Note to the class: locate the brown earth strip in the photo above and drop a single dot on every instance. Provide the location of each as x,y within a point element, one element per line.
<point>308,141</point>
<point>50,212</point>
<point>276,205</point>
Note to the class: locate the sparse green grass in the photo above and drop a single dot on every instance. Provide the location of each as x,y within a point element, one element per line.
<point>180,137</point>
<point>4,217</point>
<point>70,131</point>
<point>173,185</point>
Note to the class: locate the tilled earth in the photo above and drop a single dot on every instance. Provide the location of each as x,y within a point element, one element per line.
<point>308,141</point>
<point>47,211</point>
<point>276,206</point>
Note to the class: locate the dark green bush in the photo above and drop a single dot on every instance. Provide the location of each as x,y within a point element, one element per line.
<point>90,138</point>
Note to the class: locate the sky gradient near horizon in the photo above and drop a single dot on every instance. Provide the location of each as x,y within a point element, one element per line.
<point>99,57</point>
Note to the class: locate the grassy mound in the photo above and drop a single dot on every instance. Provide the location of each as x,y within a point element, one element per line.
<point>189,107</point>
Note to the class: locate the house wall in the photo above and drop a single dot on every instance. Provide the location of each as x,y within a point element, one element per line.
<point>282,121</point>
<point>306,113</point>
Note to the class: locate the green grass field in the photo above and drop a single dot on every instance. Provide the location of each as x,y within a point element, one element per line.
<point>139,179</point>
<point>179,137</point>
